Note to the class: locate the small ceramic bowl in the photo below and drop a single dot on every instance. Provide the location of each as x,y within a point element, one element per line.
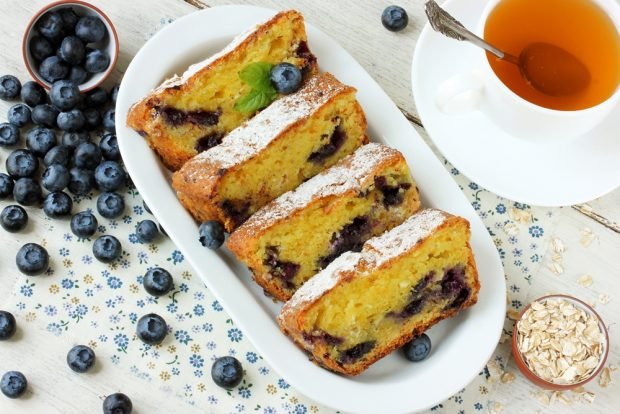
<point>109,44</point>
<point>529,374</point>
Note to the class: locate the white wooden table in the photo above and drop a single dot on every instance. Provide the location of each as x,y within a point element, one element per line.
<point>386,56</point>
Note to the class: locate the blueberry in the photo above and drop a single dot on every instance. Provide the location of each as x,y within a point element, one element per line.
<point>13,218</point>
<point>74,139</point>
<point>8,326</point>
<point>53,69</point>
<point>211,234</point>
<point>227,372</point>
<point>13,384</point>
<point>71,121</point>
<point>418,349</point>
<point>72,50</point>
<point>65,95</point>
<point>96,61</point>
<point>51,25</point>
<point>84,224</point>
<point>158,281</point>
<point>394,18</point>
<point>117,403</point>
<point>81,182</point>
<point>114,93</point>
<point>19,115</point>
<point>21,163</point>
<point>151,329</point>
<point>69,19</point>
<point>110,205</point>
<point>109,176</point>
<point>146,230</point>
<point>40,48</point>
<point>146,207</point>
<point>45,115</point>
<point>57,204</point>
<point>285,77</point>
<point>107,248</point>
<point>6,185</point>
<point>55,177</point>
<point>60,154</point>
<point>27,192</point>
<point>90,29</point>
<point>92,118</point>
<point>97,98</point>
<point>33,94</point>
<point>109,124</point>
<point>87,155</point>
<point>39,140</point>
<point>9,134</point>
<point>81,358</point>
<point>109,147</point>
<point>10,87</point>
<point>78,75</point>
<point>32,259</point>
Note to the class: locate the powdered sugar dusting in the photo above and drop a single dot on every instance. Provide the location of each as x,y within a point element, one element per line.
<point>257,133</point>
<point>176,80</point>
<point>404,237</point>
<point>375,252</point>
<point>323,281</point>
<point>348,174</point>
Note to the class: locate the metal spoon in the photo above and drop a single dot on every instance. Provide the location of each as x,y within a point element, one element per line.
<point>548,68</point>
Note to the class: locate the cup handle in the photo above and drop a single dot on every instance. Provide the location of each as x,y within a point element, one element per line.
<point>460,94</point>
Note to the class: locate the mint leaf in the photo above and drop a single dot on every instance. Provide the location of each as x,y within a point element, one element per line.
<point>256,75</point>
<point>255,100</point>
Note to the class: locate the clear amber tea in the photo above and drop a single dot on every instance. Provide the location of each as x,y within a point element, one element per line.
<point>580,27</point>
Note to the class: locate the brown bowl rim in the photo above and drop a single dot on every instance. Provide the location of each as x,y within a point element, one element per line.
<point>530,375</point>
<point>35,76</point>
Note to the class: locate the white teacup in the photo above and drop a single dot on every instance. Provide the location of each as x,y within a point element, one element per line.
<point>482,90</point>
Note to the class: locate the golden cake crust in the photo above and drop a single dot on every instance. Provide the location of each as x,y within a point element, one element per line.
<point>198,182</point>
<point>294,312</point>
<point>140,115</point>
<point>343,180</point>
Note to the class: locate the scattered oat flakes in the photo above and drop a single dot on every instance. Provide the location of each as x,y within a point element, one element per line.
<point>585,280</point>
<point>588,396</point>
<point>605,378</point>
<point>495,371</point>
<point>556,268</point>
<point>542,397</point>
<point>511,229</point>
<point>520,216</point>
<point>558,245</point>
<point>495,407</point>
<point>587,237</point>
<point>507,377</point>
<point>556,257</point>
<point>604,298</point>
<point>512,314</point>
<point>560,342</point>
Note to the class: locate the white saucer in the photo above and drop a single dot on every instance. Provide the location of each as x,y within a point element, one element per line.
<point>554,173</point>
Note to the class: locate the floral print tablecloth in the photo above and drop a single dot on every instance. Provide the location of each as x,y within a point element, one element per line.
<point>103,302</point>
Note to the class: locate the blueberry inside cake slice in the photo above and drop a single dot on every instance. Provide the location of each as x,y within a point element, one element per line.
<point>364,305</point>
<point>191,113</point>
<point>290,141</point>
<point>292,238</point>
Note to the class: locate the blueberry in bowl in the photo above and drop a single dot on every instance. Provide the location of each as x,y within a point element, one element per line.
<point>13,384</point>
<point>32,259</point>
<point>81,358</point>
<point>74,41</point>
<point>107,248</point>
<point>151,329</point>
<point>65,95</point>
<point>13,218</point>
<point>158,281</point>
<point>84,224</point>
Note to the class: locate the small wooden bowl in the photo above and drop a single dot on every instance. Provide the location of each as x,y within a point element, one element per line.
<point>529,374</point>
<point>109,44</point>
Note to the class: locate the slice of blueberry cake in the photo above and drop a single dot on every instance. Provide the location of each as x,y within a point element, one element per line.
<point>193,112</point>
<point>289,142</point>
<point>292,238</point>
<point>364,305</point>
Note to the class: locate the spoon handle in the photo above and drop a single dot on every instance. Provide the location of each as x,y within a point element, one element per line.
<point>442,22</point>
